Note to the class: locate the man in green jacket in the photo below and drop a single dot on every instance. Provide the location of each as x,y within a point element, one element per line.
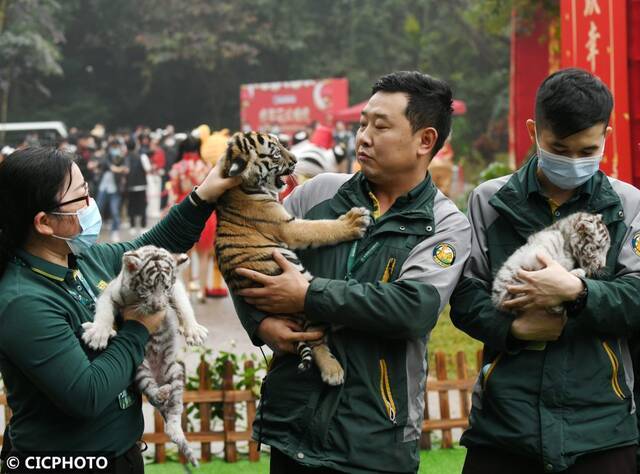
<point>555,393</point>
<point>385,292</point>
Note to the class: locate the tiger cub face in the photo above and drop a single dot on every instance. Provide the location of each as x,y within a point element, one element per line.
<point>588,239</point>
<point>260,159</point>
<point>148,276</point>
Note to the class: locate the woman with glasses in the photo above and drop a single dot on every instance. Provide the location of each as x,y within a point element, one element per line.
<point>65,397</point>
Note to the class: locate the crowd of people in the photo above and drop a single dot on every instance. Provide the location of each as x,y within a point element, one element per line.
<point>136,175</point>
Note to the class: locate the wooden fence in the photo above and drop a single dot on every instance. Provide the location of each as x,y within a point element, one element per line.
<point>203,399</point>
<point>230,397</point>
<point>463,384</point>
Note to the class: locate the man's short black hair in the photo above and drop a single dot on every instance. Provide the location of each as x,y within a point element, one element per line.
<point>429,101</point>
<point>572,100</point>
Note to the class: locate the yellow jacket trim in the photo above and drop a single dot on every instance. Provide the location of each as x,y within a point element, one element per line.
<point>491,369</point>
<point>614,373</point>
<point>385,391</point>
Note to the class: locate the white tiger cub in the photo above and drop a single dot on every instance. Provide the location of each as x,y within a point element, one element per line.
<point>579,242</point>
<point>148,281</point>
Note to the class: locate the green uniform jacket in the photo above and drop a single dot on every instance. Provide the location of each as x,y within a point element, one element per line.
<point>64,396</point>
<point>386,310</point>
<point>574,396</point>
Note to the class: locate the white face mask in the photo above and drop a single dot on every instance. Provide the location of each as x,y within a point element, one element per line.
<point>568,173</point>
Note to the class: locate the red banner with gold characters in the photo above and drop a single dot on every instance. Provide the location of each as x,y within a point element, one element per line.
<point>292,105</point>
<point>594,38</point>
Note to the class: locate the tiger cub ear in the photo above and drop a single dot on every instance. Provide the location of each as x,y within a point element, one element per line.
<point>131,261</point>
<point>181,259</point>
<point>237,166</point>
<point>235,159</point>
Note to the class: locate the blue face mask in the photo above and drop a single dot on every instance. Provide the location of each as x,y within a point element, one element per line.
<point>568,173</point>
<point>90,223</point>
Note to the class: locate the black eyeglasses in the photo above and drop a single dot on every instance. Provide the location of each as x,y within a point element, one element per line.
<point>86,198</point>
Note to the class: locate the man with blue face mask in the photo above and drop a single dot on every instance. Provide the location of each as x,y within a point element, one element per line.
<point>556,391</point>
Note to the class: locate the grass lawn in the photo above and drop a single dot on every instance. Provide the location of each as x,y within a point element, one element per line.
<point>437,461</point>
<point>447,338</point>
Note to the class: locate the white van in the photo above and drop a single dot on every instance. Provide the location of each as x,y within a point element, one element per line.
<point>47,133</point>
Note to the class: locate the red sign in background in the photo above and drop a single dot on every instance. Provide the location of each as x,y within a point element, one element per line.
<point>531,62</point>
<point>594,37</point>
<point>292,105</point>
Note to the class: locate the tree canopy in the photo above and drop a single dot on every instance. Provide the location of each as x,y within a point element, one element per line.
<point>156,62</point>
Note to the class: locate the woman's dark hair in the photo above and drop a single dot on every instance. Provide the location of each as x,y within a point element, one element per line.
<point>31,180</point>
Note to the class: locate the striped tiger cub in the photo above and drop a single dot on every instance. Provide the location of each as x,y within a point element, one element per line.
<point>148,280</point>
<point>252,224</point>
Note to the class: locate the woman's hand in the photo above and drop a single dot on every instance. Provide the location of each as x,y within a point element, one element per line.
<point>215,184</point>
<point>151,321</point>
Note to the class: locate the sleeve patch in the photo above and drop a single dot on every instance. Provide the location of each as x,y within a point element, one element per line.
<point>635,243</point>
<point>444,254</point>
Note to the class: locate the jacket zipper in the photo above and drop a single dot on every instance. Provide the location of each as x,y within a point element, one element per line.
<point>614,370</point>
<point>490,370</point>
<point>385,392</point>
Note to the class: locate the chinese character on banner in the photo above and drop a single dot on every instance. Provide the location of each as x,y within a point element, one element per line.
<point>600,28</point>
<point>591,7</point>
<point>592,46</point>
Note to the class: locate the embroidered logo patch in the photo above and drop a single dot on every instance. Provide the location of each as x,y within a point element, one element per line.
<point>635,243</point>
<point>444,254</point>
<point>102,285</point>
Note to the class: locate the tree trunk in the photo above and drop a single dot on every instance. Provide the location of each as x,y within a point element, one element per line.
<point>4,105</point>
<point>4,108</point>
<point>4,5</point>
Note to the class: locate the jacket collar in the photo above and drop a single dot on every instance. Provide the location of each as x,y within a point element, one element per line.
<point>50,270</point>
<point>521,200</point>
<point>416,204</point>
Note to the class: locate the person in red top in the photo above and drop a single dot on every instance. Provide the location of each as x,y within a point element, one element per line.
<point>157,158</point>
<point>187,172</point>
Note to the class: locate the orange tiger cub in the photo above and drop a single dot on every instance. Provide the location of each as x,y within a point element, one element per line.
<point>252,224</point>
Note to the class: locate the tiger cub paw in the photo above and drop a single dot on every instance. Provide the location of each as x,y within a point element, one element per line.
<point>192,458</point>
<point>556,310</point>
<point>96,336</point>
<point>332,373</point>
<point>357,221</point>
<point>579,272</point>
<point>195,335</point>
<point>163,394</point>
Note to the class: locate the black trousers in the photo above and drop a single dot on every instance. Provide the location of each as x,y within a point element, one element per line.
<point>282,464</point>
<point>495,461</point>
<point>130,462</point>
<point>138,207</point>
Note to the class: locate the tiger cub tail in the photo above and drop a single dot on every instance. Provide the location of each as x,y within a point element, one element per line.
<point>306,356</point>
